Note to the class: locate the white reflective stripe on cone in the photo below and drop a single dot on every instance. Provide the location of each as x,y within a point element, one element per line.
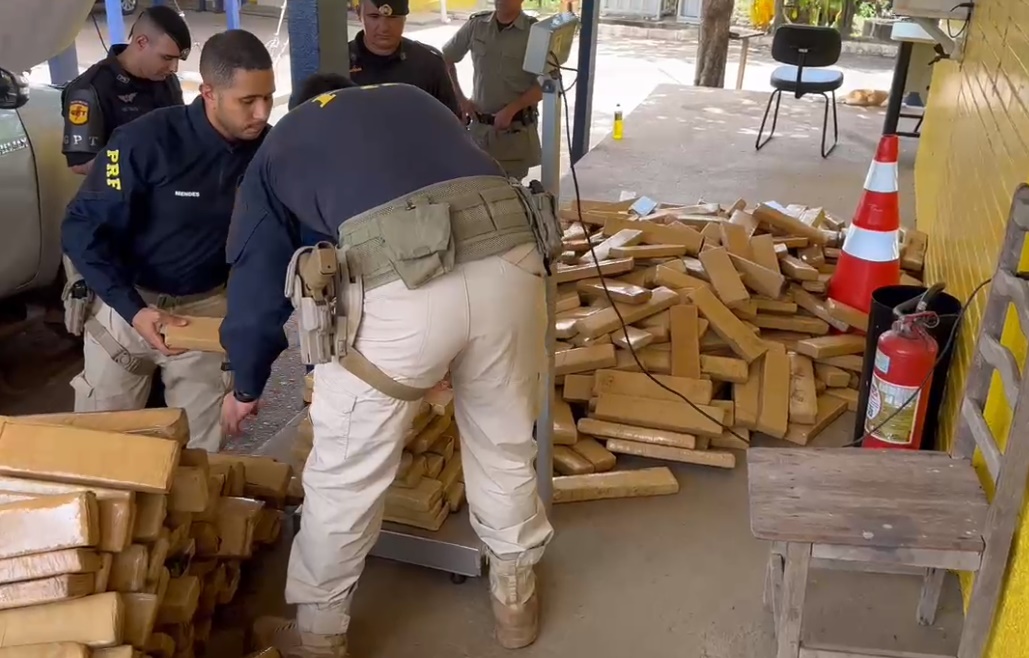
<point>882,177</point>
<point>873,246</point>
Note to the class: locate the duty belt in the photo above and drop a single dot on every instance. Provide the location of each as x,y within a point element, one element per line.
<point>524,116</point>
<point>415,238</point>
<point>164,302</point>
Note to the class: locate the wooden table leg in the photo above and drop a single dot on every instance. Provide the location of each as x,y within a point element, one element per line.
<point>794,588</point>
<point>744,47</point>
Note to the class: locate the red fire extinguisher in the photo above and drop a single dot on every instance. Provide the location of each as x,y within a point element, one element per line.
<point>902,376</point>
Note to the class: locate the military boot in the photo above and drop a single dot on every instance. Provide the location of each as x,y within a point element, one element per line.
<point>284,635</point>
<point>515,601</point>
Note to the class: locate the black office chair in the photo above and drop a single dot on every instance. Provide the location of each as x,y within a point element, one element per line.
<point>805,49</point>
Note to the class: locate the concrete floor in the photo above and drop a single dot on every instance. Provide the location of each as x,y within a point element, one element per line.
<point>677,576</point>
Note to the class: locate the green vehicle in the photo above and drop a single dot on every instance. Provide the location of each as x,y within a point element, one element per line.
<point>35,183</point>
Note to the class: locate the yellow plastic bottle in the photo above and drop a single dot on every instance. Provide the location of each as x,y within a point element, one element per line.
<point>619,127</point>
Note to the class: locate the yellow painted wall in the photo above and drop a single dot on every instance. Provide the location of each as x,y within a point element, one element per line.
<point>432,6</point>
<point>973,152</point>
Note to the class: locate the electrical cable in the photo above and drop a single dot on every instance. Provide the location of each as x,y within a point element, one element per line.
<point>600,274</point>
<point>98,32</point>
<point>964,24</point>
<point>925,380</point>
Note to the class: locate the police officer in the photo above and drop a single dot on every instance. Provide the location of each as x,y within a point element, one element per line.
<point>379,53</point>
<point>451,271</point>
<point>148,230</point>
<point>132,80</point>
<point>502,110</point>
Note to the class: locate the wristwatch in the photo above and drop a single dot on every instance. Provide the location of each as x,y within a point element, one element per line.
<point>243,397</point>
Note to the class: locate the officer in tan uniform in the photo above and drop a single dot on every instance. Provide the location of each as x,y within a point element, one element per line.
<point>501,112</point>
<point>428,260</point>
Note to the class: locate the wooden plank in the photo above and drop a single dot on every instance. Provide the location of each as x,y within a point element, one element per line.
<point>740,338</point>
<point>660,414</point>
<point>773,418</point>
<point>841,651</point>
<point>685,337</point>
<point>929,600</point>
<point>803,397</point>
<point>911,558</point>
<point>618,291</point>
<point>724,277</point>
<point>615,484</point>
<point>607,430</point>
<point>794,589</point>
<point>714,458</point>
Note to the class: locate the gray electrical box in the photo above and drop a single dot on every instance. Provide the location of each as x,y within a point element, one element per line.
<point>550,43</point>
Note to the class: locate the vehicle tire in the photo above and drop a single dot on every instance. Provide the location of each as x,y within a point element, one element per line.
<point>129,7</point>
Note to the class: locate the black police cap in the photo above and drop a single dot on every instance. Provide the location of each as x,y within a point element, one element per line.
<point>171,23</point>
<point>392,7</point>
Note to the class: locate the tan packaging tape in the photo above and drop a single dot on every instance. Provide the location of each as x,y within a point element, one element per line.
<point>128,573</point>
<point>265,477</point>
<point>45,565</point>
<point>46,590</point>
<point>161,423</point>
<point>41,525</point>
<point>140,616</point>
<point>53,650</point>
<point>96,621</point>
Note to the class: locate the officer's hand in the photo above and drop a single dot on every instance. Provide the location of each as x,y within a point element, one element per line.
<point>235,412</point>
<point>468,109</point>
<point>149,321</point>
<point>502,119</point>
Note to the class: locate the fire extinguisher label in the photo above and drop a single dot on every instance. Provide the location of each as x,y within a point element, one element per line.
<point>882,362</point>
<point>890,417</point>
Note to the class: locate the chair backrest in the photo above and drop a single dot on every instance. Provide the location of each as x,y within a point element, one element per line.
<point>806,45</point>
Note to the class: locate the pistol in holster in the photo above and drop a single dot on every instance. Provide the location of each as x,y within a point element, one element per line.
<point>78,300</point>
<point>318,284</point>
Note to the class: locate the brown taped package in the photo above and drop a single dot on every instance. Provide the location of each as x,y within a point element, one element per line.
<point>160,423</point>
<point>128,572</point>
<point>190,491</point>
<point>95,621</point>
<point>124,651</point>
<point>150,512</point>
<point>115,507</point>
<point>265,477</point>
<point>180,602</point>
<point>201,334</point>
<point>46,590</point>
<point>45,565</point>
<point>41,525</point>
<point>81,456</point>
<point>140,616</point>
<point>104,575</point>
<point>160,645</point>
<point>53,650</point>
<point>236,522</point>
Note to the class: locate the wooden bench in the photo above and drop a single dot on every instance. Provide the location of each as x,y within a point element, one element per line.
<point>895,511</point>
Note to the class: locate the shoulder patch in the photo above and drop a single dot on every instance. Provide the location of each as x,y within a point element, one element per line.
<point>78,113</point>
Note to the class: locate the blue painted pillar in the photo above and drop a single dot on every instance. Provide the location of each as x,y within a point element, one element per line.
<point>64,67</point>
<point>232,14</point>
<point>115,22</point>
<point>317,38</point>
<point>583,119</point>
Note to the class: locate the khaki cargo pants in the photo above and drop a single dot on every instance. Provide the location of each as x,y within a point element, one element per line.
<point>485,322</point>
<point>193,381</point>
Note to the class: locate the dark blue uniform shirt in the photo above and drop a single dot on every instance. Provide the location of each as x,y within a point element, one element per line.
<point>154,210</point>
<point>329,159</point>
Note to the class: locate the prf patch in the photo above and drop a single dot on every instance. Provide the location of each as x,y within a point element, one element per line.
<point>113,169</point>
<point>78,112</point>
<point>325,99</point>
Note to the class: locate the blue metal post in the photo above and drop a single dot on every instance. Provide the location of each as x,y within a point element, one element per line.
<point>115,22</point>
<point>232,14</point>
<point>64,67</point>
<point>583,117</point>
<point>317,38</point>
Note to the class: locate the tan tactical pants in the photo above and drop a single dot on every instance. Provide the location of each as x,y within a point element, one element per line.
<point>193,381</point>
<point>485,322</point>
<point>516,150</point>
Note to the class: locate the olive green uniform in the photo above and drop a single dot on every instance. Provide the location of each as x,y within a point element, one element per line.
<point>497,56</point>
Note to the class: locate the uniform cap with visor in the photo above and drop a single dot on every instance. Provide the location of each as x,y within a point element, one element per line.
<point>392,7</point>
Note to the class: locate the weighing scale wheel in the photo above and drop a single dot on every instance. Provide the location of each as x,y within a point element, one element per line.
<point>455,578</point>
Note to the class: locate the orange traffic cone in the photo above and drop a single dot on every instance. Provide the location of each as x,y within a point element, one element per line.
<point>870,257</point>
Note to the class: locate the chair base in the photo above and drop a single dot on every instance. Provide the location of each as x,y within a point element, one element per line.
<point>777,95</point>
<point>786,585</point>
